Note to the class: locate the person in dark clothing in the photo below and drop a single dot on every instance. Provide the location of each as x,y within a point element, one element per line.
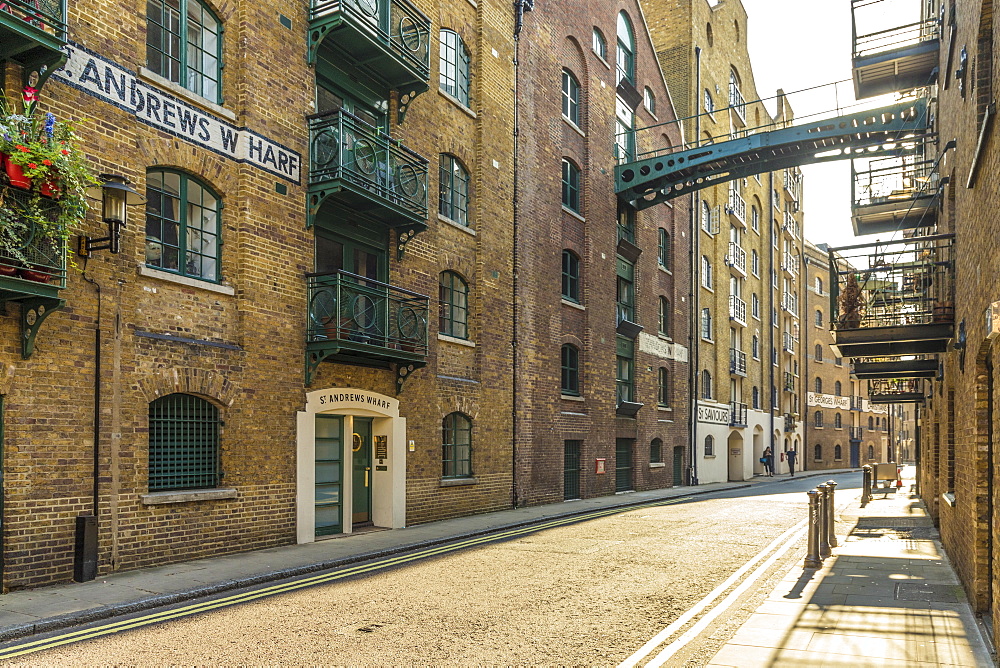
<point>790,455</point>
<point>768,462</point>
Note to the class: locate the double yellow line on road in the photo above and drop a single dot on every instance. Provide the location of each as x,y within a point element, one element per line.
<point>301,583</point>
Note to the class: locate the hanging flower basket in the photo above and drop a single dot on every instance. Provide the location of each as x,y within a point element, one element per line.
<point>15,174</point>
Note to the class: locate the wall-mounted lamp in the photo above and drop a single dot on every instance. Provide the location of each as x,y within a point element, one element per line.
<point>115,193</point>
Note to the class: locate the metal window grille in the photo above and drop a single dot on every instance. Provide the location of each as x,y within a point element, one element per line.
<point>457,446</point>
<point>183,443</point>
<point>571,469</point>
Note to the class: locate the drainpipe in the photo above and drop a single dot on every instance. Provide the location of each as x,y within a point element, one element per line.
<point>769,318</point>
<point>520,6</point>
<point>695,293</point>
<point>85,546</point>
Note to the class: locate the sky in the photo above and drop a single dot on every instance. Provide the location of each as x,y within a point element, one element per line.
<point>796,45</point>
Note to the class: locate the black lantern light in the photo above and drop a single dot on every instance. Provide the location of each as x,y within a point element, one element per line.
<point>115,193</point>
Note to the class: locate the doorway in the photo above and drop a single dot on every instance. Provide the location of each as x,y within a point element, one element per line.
<point>361,464</point>
<point>623,464</point>
<point>735,449</point>
<point>329,431</point>
<point>678,465</point>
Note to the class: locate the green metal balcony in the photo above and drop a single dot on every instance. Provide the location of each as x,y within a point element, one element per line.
<point>893,368</point>
<point>361,171</point>
<point>32,34</point>
<point>382,41</point>
<point>894,193</point>
<point>894,298</point>
<point>33,268</point>
<point>898,391</point>
<point>355,320</point>
<point>889,57</point>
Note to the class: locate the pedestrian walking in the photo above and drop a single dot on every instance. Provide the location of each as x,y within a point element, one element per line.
<point>790,455</point>
<point>767,459</point>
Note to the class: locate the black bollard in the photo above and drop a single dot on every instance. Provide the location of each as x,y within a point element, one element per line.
<point>831,512</point>
<point>812,551</point>
<point>866,485</point>
<point>824,529</point>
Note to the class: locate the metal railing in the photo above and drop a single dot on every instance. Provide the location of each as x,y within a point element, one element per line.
<point>737,257</point>
<point>856,433</point>
<point>737,414</point>
<point>895,386</point>
<point>736,101</point>
<point>737,206</point>
<point>894,180</point>
<point>349,308</point>
<point>737,362</point>
<point>395,24</point>
<point>789,422</point>
<point>790,302</point>
<point>788,342</point>
<point>738,309</point>
<point>789,382</point>
<point>791,225</point>
<point>344,147</point>
<point>36,255</point>
<point>857,402</point>
<point>793,183</point>
<point>46,15</point>
<point>895,283</point>
<point>895,38</point>
<point>789,263</point>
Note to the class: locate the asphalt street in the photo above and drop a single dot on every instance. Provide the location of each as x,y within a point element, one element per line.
<point>587,592</point>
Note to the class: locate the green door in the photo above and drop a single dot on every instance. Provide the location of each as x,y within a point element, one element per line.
<point>361,456</point>
<point>678,465</point>
<point>623,464</point>
<point>329,430</point>
<point>571,470</point>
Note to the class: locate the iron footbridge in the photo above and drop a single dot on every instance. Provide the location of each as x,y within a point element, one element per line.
<point>869,133</point>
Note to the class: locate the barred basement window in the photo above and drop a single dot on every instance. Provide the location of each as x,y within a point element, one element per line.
<point>457,447</point>
<point>183,443</point>
<point>184,45</point>
<point>656,451</point>
<point>454,66</point>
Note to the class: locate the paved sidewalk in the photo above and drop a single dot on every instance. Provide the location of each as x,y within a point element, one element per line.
<point>30,611</point>
<point>887,596</point>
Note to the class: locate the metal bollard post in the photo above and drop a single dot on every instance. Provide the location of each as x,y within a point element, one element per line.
<point>831,511</point>
<point>824,529</point>
<point>812,551</point>
<point>866,485</point>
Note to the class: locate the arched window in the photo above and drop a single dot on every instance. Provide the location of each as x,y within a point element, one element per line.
<point>706,217</point>
<point>709,445</point>
<point>818,452</point>
<point>838,422</point>
<point>837,388</point>
<point>599,44</point>
<point>656,451</point>
<point>570,276</point>
<point>454,66</point>
<point>707,278</point>
<point>663,389</point>
<point>184,45</point>
<point>626,49</point>
<point>709,102</point>
<point>885,424</point>
<point>453,200</point>
<point>663,249</point>
<point>456,451</point>
<point>819,352</point>
<point>755,263</point>
<point>755,347</point>
<point>706,324</point>
<point>871,452</point>
<point>756,397</point>
<point>818,385</point>
<point>871,423</point>
<point>664,316</point>
<point>570,370</point>
<point>182,225</point>
<point>454,306</point>
<point>570,186</point>
<point>838,452</point>
<point>649,100</point>
<point>706,384</point>
<point>571,97</point>
<point>819,285</point>
<point>819,318</point>
<point>183,443</point>
<point>818,418</point>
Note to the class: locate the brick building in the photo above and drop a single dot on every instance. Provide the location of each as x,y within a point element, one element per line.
<point>748,248</point>
<point>843,428</point>
<point>322,283</point>
<point>601,397</point>
<point>925,318</point>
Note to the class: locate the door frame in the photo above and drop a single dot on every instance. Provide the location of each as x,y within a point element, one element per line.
<point>388,482</point>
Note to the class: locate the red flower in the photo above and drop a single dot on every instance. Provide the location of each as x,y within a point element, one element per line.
<point>64,152</point>
<point>20,147</point>
<point>32,165</point>
<point>30,94</point>
<point>47,162</point>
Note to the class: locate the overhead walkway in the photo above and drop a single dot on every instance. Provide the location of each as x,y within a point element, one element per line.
<point>655,179</point>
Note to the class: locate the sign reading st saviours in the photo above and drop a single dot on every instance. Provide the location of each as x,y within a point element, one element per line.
<point>112,83</point>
